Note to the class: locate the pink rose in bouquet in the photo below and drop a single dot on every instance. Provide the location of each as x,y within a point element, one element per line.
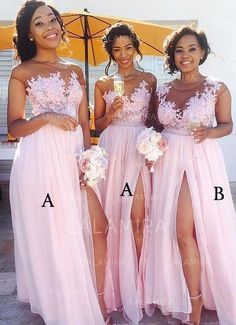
<point>151,144</point>
<point>93,163</point>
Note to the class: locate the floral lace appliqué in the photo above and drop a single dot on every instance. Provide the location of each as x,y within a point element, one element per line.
<point>200,107</point>
<point>50,94</point>
<point>135,108</point>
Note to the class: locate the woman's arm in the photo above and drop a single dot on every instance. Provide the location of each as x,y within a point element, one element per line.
<point>18,126</point>
<point>83,113</point>
<point>84,119</point>
<point>223,118</point>
<point>223,115</point>
<point>103,118</point>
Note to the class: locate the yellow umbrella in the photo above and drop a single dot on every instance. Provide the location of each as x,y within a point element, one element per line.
<point>85,27</point>
<point>85,31</point>
<point>6,34</point>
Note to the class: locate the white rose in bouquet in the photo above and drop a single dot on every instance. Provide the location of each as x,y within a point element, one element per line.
<point>151,144</point>
<point>93,163</point>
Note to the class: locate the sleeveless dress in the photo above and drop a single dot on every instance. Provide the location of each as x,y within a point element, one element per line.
<point>124,284</point>
<point>52,264</point>
<point>215,220</point>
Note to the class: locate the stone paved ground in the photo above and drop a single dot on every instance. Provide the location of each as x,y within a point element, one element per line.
<point>16,313</point>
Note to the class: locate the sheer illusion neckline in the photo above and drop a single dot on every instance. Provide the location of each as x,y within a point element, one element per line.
<point>188,89</point>
<point>142,84</point>
<point>67,66</point>
<point>189,99</point>
<point>133,77</point>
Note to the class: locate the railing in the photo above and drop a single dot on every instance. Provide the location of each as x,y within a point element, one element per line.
<point>3,106</point>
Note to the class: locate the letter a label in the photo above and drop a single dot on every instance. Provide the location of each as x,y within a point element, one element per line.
<point>126,189</point>
<point>47,200</point>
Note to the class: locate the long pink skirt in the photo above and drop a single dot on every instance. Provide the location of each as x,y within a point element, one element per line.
<point>52,253</point>
<point>124,283</point>
<point>215,224</point>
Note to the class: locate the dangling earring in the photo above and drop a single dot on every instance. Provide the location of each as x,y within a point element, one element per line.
<point>31,39</point>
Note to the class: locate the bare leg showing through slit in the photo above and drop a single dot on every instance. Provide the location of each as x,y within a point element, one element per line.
<point>99,226</point>
<point>188,247</point>
<point>138,215</point>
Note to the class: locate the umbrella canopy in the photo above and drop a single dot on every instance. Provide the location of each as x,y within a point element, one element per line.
<point>85,27</point>
<point>6,34</point>
<point>85,31</point>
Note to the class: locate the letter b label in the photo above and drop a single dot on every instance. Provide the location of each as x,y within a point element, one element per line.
<point>218,193</point>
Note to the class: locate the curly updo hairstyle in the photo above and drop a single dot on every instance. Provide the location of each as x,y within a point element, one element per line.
<point>171,41</point>
<point>25,48</point>
<point>112,33</point>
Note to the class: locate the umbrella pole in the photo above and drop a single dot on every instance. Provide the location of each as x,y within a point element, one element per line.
<point>87,74</point>
<point>86,38</point>
<point>93,134</point>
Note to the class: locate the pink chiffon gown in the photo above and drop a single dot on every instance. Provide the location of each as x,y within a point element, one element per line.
<point>215,220</point>
<point>52,252</point>
<point>124,284</point>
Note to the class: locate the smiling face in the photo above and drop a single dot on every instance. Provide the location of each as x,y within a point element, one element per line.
<point>45,28</point>
<point>123,52</point>
<point>188,54</point>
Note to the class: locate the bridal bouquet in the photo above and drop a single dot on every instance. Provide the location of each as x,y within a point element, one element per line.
<point>93,163</point>
<point>151,144</point>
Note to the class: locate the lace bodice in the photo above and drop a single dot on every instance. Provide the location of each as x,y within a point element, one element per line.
<point>50,94</point>
<point>135,108</point>
<point>198,107</point>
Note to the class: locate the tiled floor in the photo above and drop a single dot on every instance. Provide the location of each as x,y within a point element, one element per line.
<point>15,313</point>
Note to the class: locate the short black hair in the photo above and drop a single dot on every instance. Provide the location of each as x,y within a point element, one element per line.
<point>171,41</point>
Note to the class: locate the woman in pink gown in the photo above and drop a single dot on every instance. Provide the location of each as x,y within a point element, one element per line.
<point>191,253</point>
<point>51,214</point>
<point>125,192</point>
